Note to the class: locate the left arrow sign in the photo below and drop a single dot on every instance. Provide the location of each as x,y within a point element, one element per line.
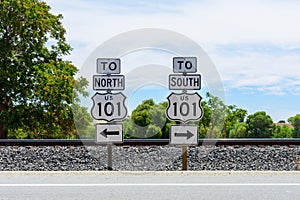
<point>105,133</point>
<point>109,133</point>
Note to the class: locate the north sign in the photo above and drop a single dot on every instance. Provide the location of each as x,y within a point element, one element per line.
<point>185,82</point>
<point>109,106</point>
<point>109,133</point>
<point>108,66</point>
<point>183,135</point>
<point>108,82</point>
<point>184,107</point>
<point>184,64</point>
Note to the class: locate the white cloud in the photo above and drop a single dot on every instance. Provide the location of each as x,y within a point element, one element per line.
<point>210,23</point>
<point>272,72</point>
<point>204,21</point>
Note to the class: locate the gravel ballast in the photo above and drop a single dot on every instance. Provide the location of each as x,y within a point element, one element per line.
<point>148,158</point>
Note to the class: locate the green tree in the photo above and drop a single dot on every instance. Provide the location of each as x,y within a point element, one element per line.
<point>141,114</point>
<point>217,111</point>
<point>148,119</point>
<point>37,85</point>
<point>233,116</point>
<point>167,126</point>
<point>239,130</point>
<point>82,120</point>
<point>204,122</point>
<point>260,125</point>
<point>130,129</point>
<point>295,121</point>
<point>283,132</point>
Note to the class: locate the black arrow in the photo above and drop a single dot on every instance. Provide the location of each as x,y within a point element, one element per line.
<point>188,134</point>
<point>105,133</point>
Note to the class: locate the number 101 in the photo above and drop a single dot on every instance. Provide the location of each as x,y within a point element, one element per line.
<point>109,109</point>
<point>184,109</point>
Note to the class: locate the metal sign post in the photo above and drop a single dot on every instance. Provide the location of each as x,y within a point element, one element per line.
<point>109,106</point>
<point>184,107</point>
<point>109,156</point>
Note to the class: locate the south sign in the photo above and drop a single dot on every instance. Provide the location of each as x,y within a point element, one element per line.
<point>185,82</point>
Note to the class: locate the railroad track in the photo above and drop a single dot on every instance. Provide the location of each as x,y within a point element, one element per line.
<point>154,142</point>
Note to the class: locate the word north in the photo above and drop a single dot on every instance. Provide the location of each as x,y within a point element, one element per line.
<point>111,82</point>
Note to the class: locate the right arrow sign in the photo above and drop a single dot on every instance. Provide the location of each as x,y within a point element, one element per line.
<point>184,135</point>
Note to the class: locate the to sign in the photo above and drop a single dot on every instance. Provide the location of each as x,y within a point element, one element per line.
<point>111,82</point>
<point>184,64</point>
<point>183,135</point>
<point>109,106</point>
<point>184,107</point>
<point>109,133</point>
<point>185,82</point>
<point>108,66</point>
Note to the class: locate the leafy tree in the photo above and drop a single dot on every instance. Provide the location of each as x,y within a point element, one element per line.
<point>167,126</point>
<point>204,122</point>
<point>154,131</point>
<point>233,116</point>
<point>130,129</point>
<point>283,132</point>
<point>37,85</point>
<point>83,120</point>
<point>295,121</point>
<point>141,114</point>
<point>260,125</point>
<point>148,120</point>
<point>217,111</point>
<point>239,130</point>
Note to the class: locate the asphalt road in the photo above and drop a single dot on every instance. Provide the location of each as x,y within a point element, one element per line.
<point>149,185</point>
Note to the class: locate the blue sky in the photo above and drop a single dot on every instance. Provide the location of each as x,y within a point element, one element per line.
<point>255,45</point>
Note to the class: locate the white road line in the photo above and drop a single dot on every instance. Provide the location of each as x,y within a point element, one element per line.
<point>146,184</point>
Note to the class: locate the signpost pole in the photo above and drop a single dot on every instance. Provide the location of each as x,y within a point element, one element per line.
<point>184,150</point>
<point>109,156</point>
<point>184,158</point>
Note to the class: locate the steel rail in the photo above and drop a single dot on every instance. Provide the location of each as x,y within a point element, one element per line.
<point>153,142</point>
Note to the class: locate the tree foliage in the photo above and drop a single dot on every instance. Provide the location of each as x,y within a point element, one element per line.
<point>148,120</point>
<point>260,125</point>
<point>234,116</point>
<point>212,122</point>
<point>239,130</point>
<point>295,121</point>
<point>37,85</point>
<point>283,132</point>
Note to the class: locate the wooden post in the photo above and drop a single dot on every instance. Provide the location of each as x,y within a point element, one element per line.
<point>184,158</point>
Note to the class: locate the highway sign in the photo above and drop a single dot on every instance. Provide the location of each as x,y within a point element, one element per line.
<point>109,106</point>
<point>185,64</point>
<point>184,107</point>
<point>185,82</point>
<point>108,82</point>
<point>184,135</point>
<point>108,66</point>
<point>109,133</point>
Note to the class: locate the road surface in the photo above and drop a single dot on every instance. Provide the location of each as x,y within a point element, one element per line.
<point>149,185</point>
